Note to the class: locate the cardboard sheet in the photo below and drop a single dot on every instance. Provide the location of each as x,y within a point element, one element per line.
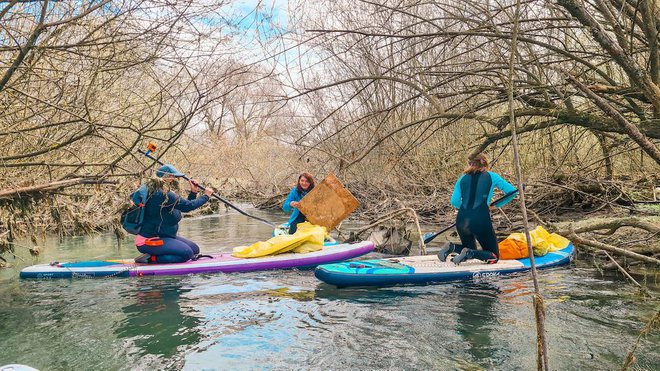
<point>328,203</point>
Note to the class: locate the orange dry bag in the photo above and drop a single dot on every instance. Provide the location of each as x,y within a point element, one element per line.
<point>512,248</point>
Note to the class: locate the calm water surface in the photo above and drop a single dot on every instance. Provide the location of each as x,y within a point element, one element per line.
<point>289,320</point>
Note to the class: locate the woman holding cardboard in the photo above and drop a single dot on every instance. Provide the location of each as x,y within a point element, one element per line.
<point>303,186</point>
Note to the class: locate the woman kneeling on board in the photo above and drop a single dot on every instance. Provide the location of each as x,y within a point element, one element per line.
<point>472,195</point>
<point>304,184</point>
<point>158,240</point>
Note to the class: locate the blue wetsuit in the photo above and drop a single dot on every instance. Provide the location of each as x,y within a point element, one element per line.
<point>472,195</point>
<point>296,216</point>
<point>161,219</point>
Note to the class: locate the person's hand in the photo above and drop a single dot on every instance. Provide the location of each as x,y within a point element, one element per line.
<point>492,207</point>
<point>194,186</point>
<point>294,204</point>
<point>209,191</point>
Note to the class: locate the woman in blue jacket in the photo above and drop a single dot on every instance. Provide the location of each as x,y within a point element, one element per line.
<point>472,194</point>
<point>158,240</point>
<point>303,186</point>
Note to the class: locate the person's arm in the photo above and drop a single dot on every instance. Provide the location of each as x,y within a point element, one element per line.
<point>194,189</point>
<point>456,195</point>
<point>504,186</point>
<point>286,206</point>
<point>184,205</point>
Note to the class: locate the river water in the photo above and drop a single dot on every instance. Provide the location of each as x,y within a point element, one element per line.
<point>289,320</point>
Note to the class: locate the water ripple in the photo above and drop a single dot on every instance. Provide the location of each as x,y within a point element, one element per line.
<point>289,320</point>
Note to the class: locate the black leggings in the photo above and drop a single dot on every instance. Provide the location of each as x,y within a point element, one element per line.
<point>293,227</point>
<point>173,250</point>
<point>475,225</point>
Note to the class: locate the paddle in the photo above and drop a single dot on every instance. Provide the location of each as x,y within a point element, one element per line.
<point>428,237</point>
<point>151,148</point>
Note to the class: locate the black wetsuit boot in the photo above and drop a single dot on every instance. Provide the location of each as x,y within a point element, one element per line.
<point>448,249</point>
<point>483,255</point>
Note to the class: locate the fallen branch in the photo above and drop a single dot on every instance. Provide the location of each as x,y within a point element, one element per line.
<point>649,224</point>
<point>9,194</point>
<point>622,270</point>
<point>603,246</point>
<point>271,202</point>
<point>590,195</point>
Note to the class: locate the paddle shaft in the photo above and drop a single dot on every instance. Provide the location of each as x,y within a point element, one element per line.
<point>434,235</point>
<point>217,196</point>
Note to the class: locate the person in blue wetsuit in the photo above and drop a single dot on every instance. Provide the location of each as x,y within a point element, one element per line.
<point>158,240</point>
<point>472,194</point>
<point>304,184</point>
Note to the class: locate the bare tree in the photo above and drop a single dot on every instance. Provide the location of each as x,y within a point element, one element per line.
<point>402,71</point>
<point>83,85</point>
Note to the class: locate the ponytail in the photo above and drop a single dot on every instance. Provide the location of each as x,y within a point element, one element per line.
<point>477,163</point>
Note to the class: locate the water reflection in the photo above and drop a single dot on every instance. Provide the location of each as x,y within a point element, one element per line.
<point>157,321</point>
<point>365,295</point>
<point>476,318</point>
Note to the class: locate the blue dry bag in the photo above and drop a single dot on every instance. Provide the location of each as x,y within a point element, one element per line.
<point>131,219</point>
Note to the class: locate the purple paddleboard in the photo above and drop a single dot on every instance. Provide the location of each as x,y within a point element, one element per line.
<point>221,262</point>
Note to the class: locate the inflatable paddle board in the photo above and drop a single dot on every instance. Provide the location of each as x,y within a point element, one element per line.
<point>428,269</point>
<point>219,262</point>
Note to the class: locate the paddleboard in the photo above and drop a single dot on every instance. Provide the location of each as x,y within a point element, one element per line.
<point>220,262</point>
<point>428,269</point>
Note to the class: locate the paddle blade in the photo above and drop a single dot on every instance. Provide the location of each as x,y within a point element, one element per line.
<point>505,199</point>
<point>428,237</point>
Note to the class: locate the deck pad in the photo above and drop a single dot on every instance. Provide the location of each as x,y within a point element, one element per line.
<point>429,264</point>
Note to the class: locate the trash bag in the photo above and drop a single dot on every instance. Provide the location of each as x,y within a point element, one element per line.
<point>391,240</point>
<point>543,242</point>
<point>308,238</point>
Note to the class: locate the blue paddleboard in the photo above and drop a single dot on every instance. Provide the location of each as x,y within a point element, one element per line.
<point>428,269</point>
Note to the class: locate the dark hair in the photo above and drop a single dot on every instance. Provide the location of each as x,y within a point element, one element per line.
<point>309,178</point>
<point>477,163</point>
